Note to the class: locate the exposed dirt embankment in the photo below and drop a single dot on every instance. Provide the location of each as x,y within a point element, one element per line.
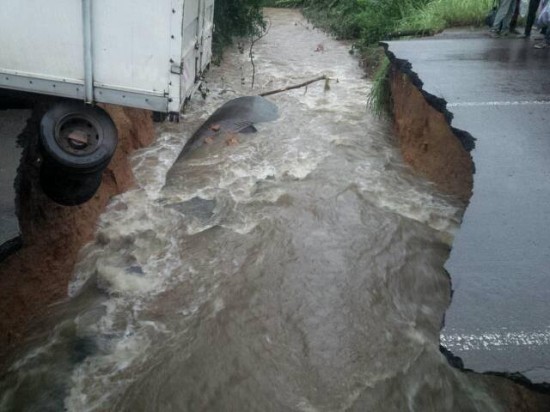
<point>38,274</point>
<point>427,141</point>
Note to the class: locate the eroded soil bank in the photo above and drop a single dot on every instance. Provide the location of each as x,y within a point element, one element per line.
<point>37,275</point>
<point>427,141</point>
<point>437,151</point>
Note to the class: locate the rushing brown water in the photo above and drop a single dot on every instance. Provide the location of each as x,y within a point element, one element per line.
<point>299,268</point>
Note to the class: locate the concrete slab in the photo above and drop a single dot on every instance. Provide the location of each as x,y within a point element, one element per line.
<point>498,91</point>
<point>12,123</point>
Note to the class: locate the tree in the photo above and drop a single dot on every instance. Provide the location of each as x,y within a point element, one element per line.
<point>236,18</point>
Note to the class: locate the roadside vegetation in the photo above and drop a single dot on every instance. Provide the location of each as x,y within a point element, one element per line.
<point>437,15</point>
<point>379,99</point>
<point>369,21</point>
<point>236,18</point>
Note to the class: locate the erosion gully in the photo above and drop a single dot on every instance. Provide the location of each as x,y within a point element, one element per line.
<point>299,268</point>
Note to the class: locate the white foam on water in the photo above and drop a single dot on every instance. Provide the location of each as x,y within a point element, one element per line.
<point>419,202</point>
<point>121,356</point>
<point>150,165</point>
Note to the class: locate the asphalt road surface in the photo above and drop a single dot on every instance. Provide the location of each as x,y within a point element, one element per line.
<point>12,123</point>
<point>498,91</point>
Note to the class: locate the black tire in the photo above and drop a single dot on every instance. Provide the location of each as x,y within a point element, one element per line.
<point>78,137</point>
<point>68,189</point>
<point>159,117</point>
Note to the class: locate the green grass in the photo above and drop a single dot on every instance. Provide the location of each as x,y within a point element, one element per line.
<point>441,14</point>
<point>370,21</point>
<point>379,99</point>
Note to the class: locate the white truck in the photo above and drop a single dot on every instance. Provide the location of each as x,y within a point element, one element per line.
<point>139,53</point>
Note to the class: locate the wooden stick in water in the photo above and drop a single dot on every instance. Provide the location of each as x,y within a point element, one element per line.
<point>297,86</point>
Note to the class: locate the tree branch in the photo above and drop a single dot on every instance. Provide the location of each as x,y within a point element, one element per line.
<point>297,86</point>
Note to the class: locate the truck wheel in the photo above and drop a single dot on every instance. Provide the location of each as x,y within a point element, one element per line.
<point>68,189</point>
<point>78,137</point>
<point>159,117</point>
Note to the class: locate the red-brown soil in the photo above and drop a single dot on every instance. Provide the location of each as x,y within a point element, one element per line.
<point>427,141</point>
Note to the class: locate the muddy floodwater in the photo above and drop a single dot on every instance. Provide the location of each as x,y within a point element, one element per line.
<point>299,268</point>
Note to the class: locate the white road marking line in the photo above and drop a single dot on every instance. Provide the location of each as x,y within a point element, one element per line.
<point>466,342</point>
<point>489,104</point>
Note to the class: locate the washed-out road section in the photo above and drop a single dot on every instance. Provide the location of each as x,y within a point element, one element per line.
<point>498,91</point>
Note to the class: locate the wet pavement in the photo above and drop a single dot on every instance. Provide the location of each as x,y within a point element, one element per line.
<point>498,90</point>
<point>12,123</point>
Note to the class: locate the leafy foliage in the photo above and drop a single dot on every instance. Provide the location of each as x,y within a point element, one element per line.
<point>236,18</point>
<point>439,14</point>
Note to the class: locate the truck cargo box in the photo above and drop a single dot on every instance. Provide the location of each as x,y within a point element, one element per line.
<point>139,53</point>
<point>147,54</point>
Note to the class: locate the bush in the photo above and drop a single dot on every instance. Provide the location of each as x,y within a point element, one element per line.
<point>439,14</point>
<point>236,18</point>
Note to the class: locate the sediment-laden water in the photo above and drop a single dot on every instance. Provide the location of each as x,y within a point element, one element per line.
<point>299,268</point>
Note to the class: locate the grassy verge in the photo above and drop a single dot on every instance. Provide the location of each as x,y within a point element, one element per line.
<point>440,14</point>
<point>370,21</point>
<point>379,99</point>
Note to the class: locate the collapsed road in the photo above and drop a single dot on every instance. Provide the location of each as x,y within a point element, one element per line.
<point>297,268</point>
<point>498,92</point>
